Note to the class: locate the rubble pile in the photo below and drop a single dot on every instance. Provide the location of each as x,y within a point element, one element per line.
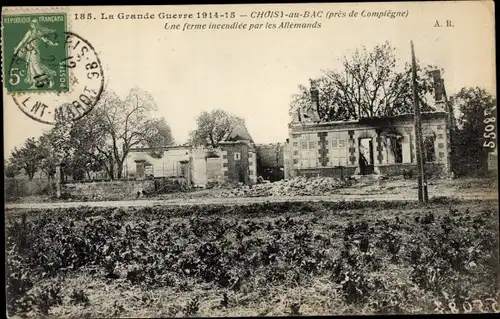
<point>299,186</point>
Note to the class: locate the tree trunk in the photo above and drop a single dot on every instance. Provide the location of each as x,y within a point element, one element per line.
<point>111,170</point>
<point>107,169</point>
<point>50,184</point>
<point>59,173</point>
<point>119,169</point>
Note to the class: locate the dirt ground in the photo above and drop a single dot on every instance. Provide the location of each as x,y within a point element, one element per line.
<point>363,190</point>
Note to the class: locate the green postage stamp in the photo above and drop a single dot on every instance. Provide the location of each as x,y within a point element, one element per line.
<point>33,54</point>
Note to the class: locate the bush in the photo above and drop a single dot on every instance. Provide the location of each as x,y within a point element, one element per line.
<point>378,263</point>
<point>16,188</point>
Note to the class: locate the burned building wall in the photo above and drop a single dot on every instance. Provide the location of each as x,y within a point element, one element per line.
<point>239,162</point>
<point>386,146</point>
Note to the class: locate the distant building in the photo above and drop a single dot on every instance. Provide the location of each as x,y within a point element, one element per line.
<point>234,160</point>
<point>239,159</point>
<point>270,164</point>
<point>384,145</point>
<point>270,155</point>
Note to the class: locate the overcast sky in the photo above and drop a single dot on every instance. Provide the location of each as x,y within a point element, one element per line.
<point>253,74</point>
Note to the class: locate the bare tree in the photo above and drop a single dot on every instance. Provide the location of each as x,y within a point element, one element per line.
<point>368,85</point>
<point>213,127</point>
<point>124,124</point>
<point>330,106</point>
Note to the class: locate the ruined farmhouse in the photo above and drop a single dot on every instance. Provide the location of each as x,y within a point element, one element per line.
<point>381,145</point>
<point>384,145</point>
<point>234,160</point>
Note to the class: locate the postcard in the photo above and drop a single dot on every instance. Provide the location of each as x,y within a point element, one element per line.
<point>250,160</point>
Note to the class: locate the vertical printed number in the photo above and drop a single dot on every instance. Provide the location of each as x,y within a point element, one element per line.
<point>489,128</point>
<point>489,120</point>
<point>479,304</point>
<point>493,304</point>
<point>468,308</point>
<point>453,307</point>
<point>489,135</point>
<point>439,307</point>
<point>487,112</point>
<point>489,144</point>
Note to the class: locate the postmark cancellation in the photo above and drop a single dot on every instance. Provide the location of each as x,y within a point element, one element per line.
<point>48,70</point>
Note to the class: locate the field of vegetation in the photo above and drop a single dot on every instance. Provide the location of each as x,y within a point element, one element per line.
<point>259,259</point>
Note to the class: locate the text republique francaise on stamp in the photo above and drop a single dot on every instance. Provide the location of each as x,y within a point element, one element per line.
<point>48,70</point>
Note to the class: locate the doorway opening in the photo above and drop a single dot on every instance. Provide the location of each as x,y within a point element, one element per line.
<point>397,149</point>
<point>365,156</point>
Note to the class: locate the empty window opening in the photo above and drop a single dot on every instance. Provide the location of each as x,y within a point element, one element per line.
<point>396,148</point>
<point>430,153</point>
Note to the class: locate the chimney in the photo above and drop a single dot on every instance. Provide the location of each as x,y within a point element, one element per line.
<point>439,94</point>
<point>441,99</point>
<point>314,95</point>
